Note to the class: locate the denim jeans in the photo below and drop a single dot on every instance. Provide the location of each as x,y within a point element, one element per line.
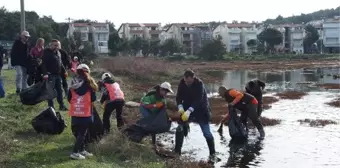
<point>206,130</point>
<point>21,77</point>
<point>56,82</point>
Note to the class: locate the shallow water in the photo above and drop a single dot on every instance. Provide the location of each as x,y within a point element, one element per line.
<point>288,144</point>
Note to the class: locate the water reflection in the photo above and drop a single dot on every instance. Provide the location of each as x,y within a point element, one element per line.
<point>242,153</point>
<point>300,79</point>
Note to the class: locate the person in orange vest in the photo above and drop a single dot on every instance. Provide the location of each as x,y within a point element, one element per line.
<point>81,95</point>
<point>74,64</point>
<point>113,99</point>
<point>244,102</point>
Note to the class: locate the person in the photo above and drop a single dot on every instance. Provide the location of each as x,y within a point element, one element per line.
<point>255,88</point>
<point>113,99</point>
<point>193,104</point>
<point>81,96</point>
<point>20,59</point>
<point>2,53</point>
<point>74,64</point>
<point>245,103</point>
<point>66,61</point>
<point>36,54</point>
<point>53,71</point>
<point>154,102</point>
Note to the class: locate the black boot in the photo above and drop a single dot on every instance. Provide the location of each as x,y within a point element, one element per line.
<point>179,137</point>
<point>211,145</point>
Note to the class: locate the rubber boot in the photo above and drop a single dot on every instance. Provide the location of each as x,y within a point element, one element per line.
<point>179,138</point>
<point>262,133</point>
<point>153,138</point>
<point>211,145</point>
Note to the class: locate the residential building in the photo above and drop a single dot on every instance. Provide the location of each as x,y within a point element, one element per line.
<point>97,33</point>
<point>331,38</point>
<point>235,36</point>
<point>149,31</point>
<point>191,36</point>
<point>296,38</point>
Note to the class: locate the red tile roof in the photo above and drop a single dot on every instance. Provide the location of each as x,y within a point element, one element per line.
<point>87,24</point>
<point>239,25</point>
<point>151,24</point>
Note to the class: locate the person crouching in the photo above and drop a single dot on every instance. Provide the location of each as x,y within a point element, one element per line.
<point>154,102</point>
<point>81,95</point>
<point>113,99</point>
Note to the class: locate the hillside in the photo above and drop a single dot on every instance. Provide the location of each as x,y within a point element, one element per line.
<point>304,18</point>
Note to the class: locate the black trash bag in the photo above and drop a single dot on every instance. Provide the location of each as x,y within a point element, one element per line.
<point>49,122</point>
<point>37,93</point>
<point>95,131</point>
<point>153,124</point>
<point>237,129</point>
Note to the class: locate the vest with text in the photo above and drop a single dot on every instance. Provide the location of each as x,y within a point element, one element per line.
<point>81,106</point>
<point>114,91</point>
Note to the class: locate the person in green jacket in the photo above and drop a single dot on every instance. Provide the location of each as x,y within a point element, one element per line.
<point>154,101</point>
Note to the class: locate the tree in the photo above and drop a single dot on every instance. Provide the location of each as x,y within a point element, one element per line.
<point>213,50</point>
<point>252,43</point>
<point>146,47</point>
<point>114,43</point>
<point>271,36</point>
<point>136,45</point>
<point>312,36</point>
<point>170,46</point>
<point>155,47</point>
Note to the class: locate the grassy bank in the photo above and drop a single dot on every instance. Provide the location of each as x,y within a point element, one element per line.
<point>21,147</point>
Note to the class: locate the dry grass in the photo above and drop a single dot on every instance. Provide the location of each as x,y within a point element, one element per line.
<point>186,163</point>
<point>329,86</point>
<point>317,122</point>
<point>293,95</point>
<point>267,101</point>
<point>334,103</point>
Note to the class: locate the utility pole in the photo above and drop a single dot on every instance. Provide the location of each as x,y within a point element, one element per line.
<point>23,23</point>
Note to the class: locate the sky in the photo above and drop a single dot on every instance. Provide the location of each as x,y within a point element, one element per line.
<point>171,11</point>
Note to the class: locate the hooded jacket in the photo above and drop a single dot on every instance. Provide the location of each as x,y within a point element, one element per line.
<point>152,97</point>
<point>81,87</point>
<point>255,87</point>
<point>194,96</point>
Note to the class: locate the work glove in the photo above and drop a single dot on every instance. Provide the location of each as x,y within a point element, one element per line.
<point>159,105</point>
<point>185,116</point>
<point>45,77</point>
<point>180,109</point>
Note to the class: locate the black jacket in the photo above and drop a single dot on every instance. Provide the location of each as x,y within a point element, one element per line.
<point>19,54</point>
<point>2,52</point>
<point>255,87</point>
<point>51,63</point>
<point>65,59</point>
<point>194,96</point>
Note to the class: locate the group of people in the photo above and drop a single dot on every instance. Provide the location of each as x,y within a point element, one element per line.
<point>52,64</point>
<point>39,63</point>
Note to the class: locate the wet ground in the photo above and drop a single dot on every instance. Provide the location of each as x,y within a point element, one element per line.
<point>289,144</point>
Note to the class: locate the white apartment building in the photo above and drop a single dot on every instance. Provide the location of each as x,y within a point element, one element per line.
<point>150,31</point>
<point>236,36</point>
<point>331,38</point>
<point>296,38</point>
<point>97,33</point>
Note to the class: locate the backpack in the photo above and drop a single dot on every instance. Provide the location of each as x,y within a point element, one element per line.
<point>237,130</point>
<point>49,122</point>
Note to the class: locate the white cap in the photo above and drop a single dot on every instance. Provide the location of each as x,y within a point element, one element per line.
<point>25,33</point>
<point>105,75</point>
<point>75,57</point>
<point>167,86</point>
<point>84,67</point>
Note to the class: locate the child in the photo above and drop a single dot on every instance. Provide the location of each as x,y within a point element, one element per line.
<point>154,101</point>
<point>80,96</point>
<point>75,63</point>
<point>112,99</point>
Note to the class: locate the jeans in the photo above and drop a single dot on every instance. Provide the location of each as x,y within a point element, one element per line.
<point>145,112</point>
<point>56,82</point>
<point>81,131</point>
<point>109,108</point>
<point>21,77</point>
<point>206,130</point>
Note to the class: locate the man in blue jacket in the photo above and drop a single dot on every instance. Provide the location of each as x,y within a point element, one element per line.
<point>192,101</point>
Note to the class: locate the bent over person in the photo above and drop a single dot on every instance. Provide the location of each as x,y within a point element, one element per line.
<point>193,104</point>
<point>245,103</point>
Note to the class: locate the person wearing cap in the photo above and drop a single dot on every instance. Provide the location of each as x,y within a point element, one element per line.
<point>20,60</point>
<point>193,104</point>
<point>81,96</point>
<point>74,64</point>
<point>113,99</point>
<point>53,71</point>
<point>154,101</point>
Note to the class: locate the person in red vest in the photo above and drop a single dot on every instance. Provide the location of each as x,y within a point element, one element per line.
<point>74,64</point>
<point>112,99</point>
<point>81,95</point>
